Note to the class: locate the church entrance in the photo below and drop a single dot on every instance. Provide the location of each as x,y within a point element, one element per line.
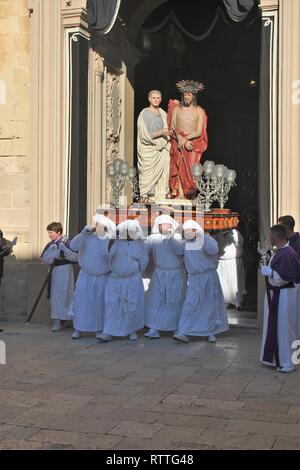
<point>198,40</point>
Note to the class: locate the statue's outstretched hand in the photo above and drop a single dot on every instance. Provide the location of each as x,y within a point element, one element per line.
<point>166,132</point>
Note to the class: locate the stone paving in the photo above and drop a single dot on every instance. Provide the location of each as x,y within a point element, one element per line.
<point>56,393</point>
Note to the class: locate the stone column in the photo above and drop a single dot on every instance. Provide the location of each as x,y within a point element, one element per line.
<point>289,110</point>
<point>96,135</point>
<point>48,133</point>
<point>284,168</point>
<point>268,118</point>
<point>75,98</point>
<point>51,22</point>
<point>46,120</point>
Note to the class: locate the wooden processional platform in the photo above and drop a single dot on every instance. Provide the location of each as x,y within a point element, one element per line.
<point>213,220</point>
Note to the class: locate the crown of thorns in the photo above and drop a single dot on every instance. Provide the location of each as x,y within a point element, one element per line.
<point>189,86</point>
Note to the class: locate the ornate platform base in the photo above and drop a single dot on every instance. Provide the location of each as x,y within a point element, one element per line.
<point>175,202</point>
<point>214,220</point>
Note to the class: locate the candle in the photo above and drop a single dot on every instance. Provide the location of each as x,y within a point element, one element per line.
<point>110,170</point>
<point>231,175</point>
<point>197,170</point>
<point>124,168</point>
<point>220,170</point>
<point>132,172</point>
<point>208,167</point>
<point>117,162</point>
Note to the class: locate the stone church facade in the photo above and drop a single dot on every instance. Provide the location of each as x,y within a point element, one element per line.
<point>67,109</point>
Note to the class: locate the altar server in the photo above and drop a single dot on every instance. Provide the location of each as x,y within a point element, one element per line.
<point>293,237</point>
<point>166,292</point>
<point>203,312</point>
<point>61,282</point>
<point>231,267</point>
<point>294,241</point>
<point>88,303</point>
<point>281,307</point>
<point>124,293</point>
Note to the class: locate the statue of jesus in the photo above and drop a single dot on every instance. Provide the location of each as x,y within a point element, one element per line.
<point>188,122</point>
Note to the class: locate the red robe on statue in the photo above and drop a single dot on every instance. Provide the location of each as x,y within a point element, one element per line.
<point>182,161</point>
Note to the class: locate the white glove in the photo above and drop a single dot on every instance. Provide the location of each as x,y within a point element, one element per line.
<point>87,229</point>
<point>266,271</point>
<point>177,236</point>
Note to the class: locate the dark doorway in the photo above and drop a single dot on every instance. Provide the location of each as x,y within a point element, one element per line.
<point>78,126</point>
<point>198,40</point>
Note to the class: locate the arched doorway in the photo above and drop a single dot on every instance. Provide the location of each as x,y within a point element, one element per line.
<point>199,41</point>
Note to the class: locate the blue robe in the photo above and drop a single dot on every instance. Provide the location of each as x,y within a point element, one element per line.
<point>88,303</point>
<point>124,293</point>
<point>203,312</point>
<point>165,296</point>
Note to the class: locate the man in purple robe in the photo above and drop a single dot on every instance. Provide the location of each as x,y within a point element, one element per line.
<point>281,303</point>
<point>293,237</point>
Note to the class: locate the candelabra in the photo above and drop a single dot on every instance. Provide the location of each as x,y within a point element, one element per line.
<point>119,172</point>
<point>264,250</point>
<point>213,183</point>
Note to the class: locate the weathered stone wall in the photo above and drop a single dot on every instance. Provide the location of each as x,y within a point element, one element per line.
<point>14,153</point>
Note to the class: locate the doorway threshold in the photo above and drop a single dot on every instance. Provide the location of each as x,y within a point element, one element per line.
<point>242,319</point>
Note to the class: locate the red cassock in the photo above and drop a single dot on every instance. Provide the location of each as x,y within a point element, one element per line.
<point>183,160</point>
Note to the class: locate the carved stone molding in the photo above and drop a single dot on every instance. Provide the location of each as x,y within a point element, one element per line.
<point>99,66</point>
<point>267,5</point>
<point>113,116</point>
<point>113,120</point>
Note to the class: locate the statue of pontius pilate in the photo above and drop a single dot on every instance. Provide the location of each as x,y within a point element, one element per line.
<point>153,147</point>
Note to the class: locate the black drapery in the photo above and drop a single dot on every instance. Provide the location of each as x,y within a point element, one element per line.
<point>102,14</point>
<point>264,188</point>
<point>238,9</point>
<point>79,52</point>
<point>210,13</point>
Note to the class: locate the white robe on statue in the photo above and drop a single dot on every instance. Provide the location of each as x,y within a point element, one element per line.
<point>167,287</point>
<point>153,155</point>
<point>124,293</point>
<point>203,312</point>
<point>62,283</point>
<point>288,314</point>
<point>88,303</point>
<point>231,269</point>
